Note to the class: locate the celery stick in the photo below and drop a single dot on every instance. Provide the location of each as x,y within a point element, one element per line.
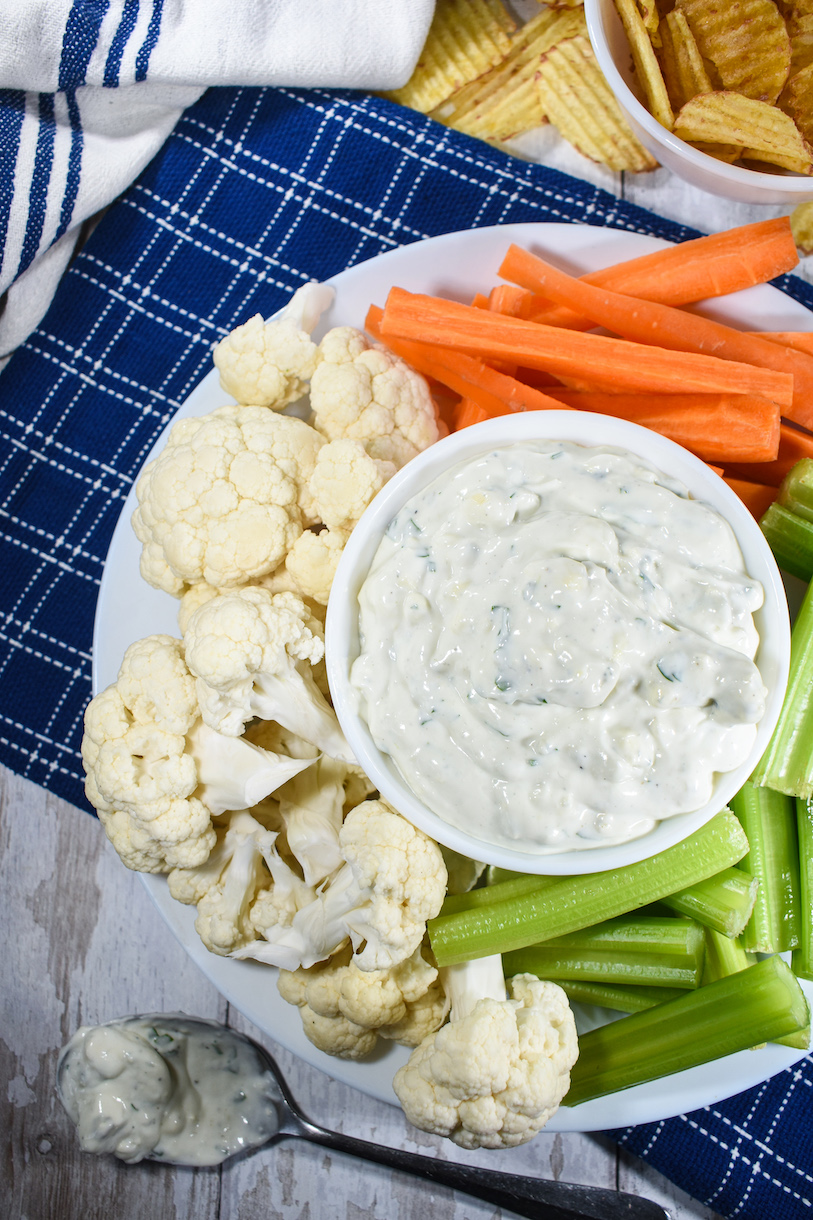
<point>635,949</point>
<point>725,956</point>
<point>796,491</point>
<point>495,874</point>
<point>787,764</point>
<point>579,902</point>
<point>519,884</point>
<point>790,537</point>
<point>724,902</point>
<point>769,820</point>
<point>760,1004</point>
<point>803,954</point>
<point>617,996</point>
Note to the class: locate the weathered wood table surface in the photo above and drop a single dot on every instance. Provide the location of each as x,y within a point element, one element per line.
<point>83,944</point>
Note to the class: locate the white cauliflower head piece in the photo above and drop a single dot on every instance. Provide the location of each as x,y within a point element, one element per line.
<point>393,881</point>
<point>252,652</point>
<point>496,1073</point>
<point>226,499</point>
<point>363,392</point>
<point>155,773</point>
<point>269,364</point>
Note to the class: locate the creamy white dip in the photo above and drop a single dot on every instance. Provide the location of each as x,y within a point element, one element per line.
<point>173,1088</point>
<point>556,647</point>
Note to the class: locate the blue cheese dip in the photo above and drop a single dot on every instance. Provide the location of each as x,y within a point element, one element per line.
<point>173,1088</point>
<point>557,647</point>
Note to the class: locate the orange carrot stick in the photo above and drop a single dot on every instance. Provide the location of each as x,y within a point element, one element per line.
<point>758,497</point>
<point>801,340</point>
<point>494,390</point>
<point>468,412</point>
<point>717,427</point>
<point>606,363</point>
<point>693,270</point>
<point>651,322</point>
<point>794,444</point>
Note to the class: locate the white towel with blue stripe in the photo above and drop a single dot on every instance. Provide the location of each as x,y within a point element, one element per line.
<point>90,90</point>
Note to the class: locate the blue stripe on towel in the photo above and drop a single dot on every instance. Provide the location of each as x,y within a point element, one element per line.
<point>114,56</point>
<point>12,113</point>
<point>74,174</point>
<point>79,41</point>
<point>150,39</point>
<point>40,181</point>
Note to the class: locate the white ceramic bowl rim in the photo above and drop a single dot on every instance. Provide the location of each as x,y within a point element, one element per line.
<point>772,619</point>
<point>735,175</point>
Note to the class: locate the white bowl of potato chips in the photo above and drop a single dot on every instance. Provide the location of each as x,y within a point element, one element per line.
<point>721,94</point>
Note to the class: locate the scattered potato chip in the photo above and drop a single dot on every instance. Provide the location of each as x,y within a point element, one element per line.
<point>796,100</point>
<point>646,62</point>
<point>580,104</point>
<point>504,101</point>
<point>466,38</point>
<point>747,42</point>
<point>681,62</point>
<point>799,21</point>
<point>801,226</point>
<point>765,132</point>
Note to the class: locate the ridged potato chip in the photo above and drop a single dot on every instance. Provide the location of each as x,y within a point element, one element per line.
<point>579,103</point>
<point>466,38</point>
<point>681,62</point>
<point>646,63</point>
<point>504,101</point>
<point>765,132</point>
<point>801,226</point>
<point>797,101</point>
<point>746,41</point>
<point>799,21</point>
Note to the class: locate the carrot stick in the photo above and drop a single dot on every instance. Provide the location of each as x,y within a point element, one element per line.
<point>716,469</point>
<point>693,270</point>
<point>793,446</point>
<point>758,497</point>
<point>480,301</point>
<point>801,340</point>
<point>717,427</point>
<point>468,412</point>
<point>508,299</point>
<point>598,360</point>
<point>675,329</point>
<point>494,390</point>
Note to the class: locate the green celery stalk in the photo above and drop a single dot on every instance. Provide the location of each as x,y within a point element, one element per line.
<point>724,902</point>
<point>803,954</point>
<point>760,1004</point>
<point>790,537</point>
<point>787,764</point>
<point>515,887</point>
<point>725,956</point>
<point>581,901</point>
<point>769,821</point>
<point>634,949</point>
<point>618,996</point>
<point>796,490</point>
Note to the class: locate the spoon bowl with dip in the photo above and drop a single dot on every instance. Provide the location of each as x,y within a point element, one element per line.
<point>188,1091</point>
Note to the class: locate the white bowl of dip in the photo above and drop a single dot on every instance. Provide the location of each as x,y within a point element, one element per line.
<point>592,854</point>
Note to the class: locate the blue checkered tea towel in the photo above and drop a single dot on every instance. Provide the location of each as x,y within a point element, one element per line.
<point>90,89</point>
<point>256,192</point>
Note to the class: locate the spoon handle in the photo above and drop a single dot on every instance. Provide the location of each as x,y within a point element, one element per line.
<point>523,1195</point>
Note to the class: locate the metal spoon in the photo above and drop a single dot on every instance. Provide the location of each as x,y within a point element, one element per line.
<point>518,1193</point>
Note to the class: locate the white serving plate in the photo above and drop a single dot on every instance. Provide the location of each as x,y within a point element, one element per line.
<point>455,265</point>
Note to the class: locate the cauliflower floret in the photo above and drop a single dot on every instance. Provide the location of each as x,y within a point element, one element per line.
<point>226,499</point>
<point>312,562</point>
<point>344,1009</point>
<point>269,364</point>
<point>252,653</point>
<point>155,773</point>
<point>394,879</point>
<point>366,393</point>
<point>344,481</point>
<point>495,1074</point>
